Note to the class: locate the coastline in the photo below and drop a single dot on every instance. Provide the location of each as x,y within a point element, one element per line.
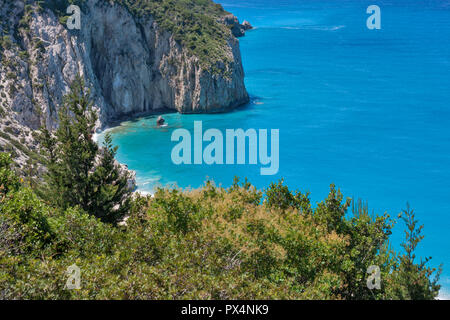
<point>132,116</point>
<point>156,175</point>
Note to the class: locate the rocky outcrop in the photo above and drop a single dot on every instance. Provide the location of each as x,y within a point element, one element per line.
<point>246,25</point>
<point>237,29</point>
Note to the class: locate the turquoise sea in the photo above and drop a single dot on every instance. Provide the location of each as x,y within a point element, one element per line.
<point>368,110</point>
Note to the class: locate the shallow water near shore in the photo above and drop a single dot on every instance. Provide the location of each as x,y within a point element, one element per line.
<point>366,110</point>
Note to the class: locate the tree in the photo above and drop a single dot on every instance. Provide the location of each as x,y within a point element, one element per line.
<point>412,281</point>
<point>368,245</point>
<point>79,172</point>
<point>111,198</point>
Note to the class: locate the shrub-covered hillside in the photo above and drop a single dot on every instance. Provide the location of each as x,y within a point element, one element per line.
<point>210,243</point>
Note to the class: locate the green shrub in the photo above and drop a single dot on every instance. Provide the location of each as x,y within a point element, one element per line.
<point>278,195</point>
<point>82,233</point>
<point>22,212</point>
<point>28,214</point>
<point>8,179</point>
<point>182,214</point>
<point>6,42</point>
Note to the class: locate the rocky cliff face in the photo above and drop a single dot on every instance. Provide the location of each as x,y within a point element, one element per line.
<point>132,65</point>
<point>138,67</point>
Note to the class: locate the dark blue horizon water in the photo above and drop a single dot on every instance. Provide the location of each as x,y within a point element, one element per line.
<point>368,110</point>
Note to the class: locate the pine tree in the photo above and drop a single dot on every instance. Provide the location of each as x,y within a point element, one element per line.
<point>79,173</point>
<point>413,281</point>
<point>110,186</point>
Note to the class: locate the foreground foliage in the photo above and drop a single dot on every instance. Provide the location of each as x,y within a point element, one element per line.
<point>210,243</point>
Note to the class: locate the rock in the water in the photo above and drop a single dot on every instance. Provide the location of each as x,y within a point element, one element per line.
<point>160,121</point>
<point>246,25</point>
<point>237,29</point>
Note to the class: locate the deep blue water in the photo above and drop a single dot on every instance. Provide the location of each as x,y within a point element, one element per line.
<point>368,110</point>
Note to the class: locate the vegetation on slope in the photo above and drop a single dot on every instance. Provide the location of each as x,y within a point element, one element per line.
<point>210,243</point>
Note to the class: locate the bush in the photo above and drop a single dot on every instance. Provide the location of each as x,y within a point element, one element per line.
<point>8,180</point>
<point>181,213</point>
<point>25,213</point>
<point>279,196</point>
<point>23,216</point>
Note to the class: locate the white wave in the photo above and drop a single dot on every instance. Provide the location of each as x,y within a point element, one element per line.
<point>444,295</point>
<point>97,134</point>
<point>336,28</point>
<point>316,27</point>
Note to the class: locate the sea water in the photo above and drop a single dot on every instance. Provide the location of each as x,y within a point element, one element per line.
<point>368,110</point>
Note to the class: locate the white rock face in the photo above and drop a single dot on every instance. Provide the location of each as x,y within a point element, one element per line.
<point>132,66</point>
